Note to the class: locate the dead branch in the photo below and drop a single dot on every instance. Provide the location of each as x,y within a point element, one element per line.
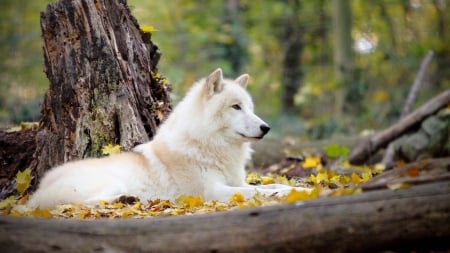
<point>368,147</point>
<point>418,81</point>
<point>415,87</point>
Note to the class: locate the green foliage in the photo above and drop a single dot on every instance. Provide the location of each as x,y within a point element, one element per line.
<point>22,81</point>
<point>196,37</point>
<point>335,151</point>
<point>402,36</point>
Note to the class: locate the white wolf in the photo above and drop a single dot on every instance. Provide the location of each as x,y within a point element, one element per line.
<point>201,149</point>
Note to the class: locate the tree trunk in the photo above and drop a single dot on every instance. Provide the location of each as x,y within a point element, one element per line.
<point>235,51</point>
<point>343,53</point>
<point>104,84</point>
<point>377,221</point>
<point>294,45</point>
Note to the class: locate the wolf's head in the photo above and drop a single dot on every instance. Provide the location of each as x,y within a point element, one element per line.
<point>228,108</point>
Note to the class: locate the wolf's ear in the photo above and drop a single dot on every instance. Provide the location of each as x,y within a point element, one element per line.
<point>242,80</point>
<point>213,83</point>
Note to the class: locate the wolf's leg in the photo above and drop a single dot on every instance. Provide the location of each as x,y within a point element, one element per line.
<point>281,187</point>
<point>223,192</point>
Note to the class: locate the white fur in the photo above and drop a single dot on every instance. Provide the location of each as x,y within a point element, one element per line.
<point>201,149</point>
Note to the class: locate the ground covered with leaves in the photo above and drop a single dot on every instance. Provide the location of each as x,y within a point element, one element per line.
<point>327,175</point>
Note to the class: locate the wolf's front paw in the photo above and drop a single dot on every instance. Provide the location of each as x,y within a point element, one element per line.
<point>300,189</point>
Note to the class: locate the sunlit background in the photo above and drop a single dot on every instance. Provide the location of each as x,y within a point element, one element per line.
<point>288,47</point>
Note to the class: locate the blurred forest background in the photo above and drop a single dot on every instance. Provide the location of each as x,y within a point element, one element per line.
<point>318,67</point>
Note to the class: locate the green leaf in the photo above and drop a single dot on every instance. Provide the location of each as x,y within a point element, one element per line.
<point>335,150</point>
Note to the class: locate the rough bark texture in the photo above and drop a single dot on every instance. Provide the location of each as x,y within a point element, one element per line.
<point>16,153</point>
<point>432,139</point>
<point>371,222</point>
<point>104,86</point>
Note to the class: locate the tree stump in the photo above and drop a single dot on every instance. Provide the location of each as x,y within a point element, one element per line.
<point>104,84</point>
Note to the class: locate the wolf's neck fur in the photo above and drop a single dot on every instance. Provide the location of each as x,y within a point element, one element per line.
<point>201,145</point>
<point>208,155</point>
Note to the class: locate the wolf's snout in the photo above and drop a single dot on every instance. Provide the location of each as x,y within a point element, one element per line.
<point>264,128</point>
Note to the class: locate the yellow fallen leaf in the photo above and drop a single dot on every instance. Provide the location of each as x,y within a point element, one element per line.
<point>8,202</point>
<point>117,205</point>
<point>111,149</point>
<point>355,178</point>
<point>253,178</point>
<point>103,203</point>
<point>23,180</point>
<point>148,28</point>
<point>126,213</point>
<point>283,180</point>
<point>336,179</point>
<point>41,213</point>
<point>237,198</point>
<point>322,176</point>
<point>311,179</point>
<point>295,196</point>
<point>189,201</point>
<point>137,205</point>
<point>267,180</point>
<point>346,179</point>
<point>366,176</point>
<point>311,162</point>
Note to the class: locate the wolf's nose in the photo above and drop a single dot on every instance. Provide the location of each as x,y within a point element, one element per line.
<point>264,128</point>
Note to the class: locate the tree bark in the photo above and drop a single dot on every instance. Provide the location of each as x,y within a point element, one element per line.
<point>369,222</point>
<point>16,152</point>
<point>104,84</point>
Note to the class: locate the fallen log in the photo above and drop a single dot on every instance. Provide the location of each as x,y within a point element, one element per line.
<point>361,153</point>
<point>369,222</point>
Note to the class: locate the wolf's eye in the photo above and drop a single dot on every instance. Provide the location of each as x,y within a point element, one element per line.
<point>236,107</point>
